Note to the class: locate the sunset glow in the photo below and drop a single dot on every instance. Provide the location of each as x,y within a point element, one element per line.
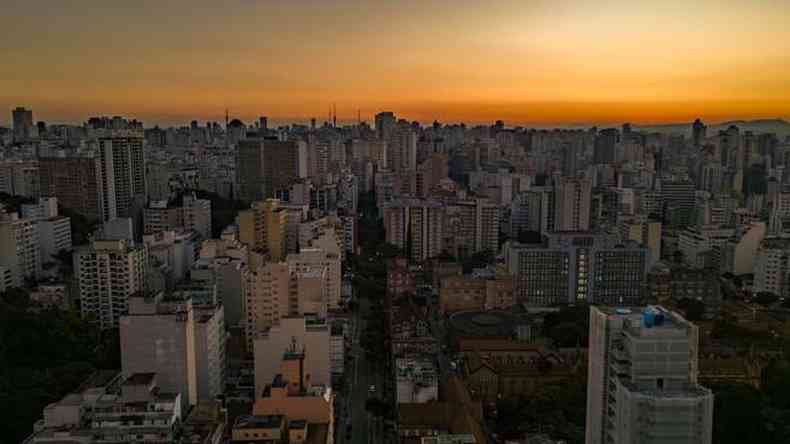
<point>538,62</point>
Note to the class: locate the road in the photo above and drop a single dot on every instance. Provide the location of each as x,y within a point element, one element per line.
<point>360,375</point>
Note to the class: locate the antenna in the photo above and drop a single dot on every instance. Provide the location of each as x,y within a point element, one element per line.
<point>359,117</point>
<point>334,118</point>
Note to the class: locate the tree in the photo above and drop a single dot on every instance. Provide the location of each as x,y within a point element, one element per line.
<point>765,298</point>
<point>44,354</point>
<point>569,327</point>
<point>82,227</point>
<point>777,384</point>
<point>529,237</point>
<point>693,309</point>
<point>16,297</point>
<point>478,260</point>
<point>737,415</point>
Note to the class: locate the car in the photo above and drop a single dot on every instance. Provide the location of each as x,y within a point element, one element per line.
<point>372,389</point>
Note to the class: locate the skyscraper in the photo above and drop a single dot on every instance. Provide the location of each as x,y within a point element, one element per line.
<point>572,204</point>
<point>385,123</point>
<point>121,165</point>
<point>677,198</point>
<point>605,143</point>
<point>265,167</point>
<point>402,150</point>
<point>642,379</point>
<point>698,130</point>
<point>23,124</point>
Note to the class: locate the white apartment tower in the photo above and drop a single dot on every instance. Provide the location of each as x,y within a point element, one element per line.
<point>181,340</point>
<point>642,379</point>
<point>108,272</point>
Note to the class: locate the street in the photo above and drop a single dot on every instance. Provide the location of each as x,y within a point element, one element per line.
<point>360,375</point>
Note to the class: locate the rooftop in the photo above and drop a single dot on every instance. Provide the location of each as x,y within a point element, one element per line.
<point>490,323</point>
<point>140,379</point>
<point>297,424</point>
<point>258,422</point>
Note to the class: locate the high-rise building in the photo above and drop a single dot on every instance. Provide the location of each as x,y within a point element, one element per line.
<point>642,379</point>
<point>678,198</point>
<point>321,257</point>
<point>108,273</point>
<point>402,150</point>
<point>711,177</point>
<point>472,226</point>
<point>772,267</point>
<point>121,172</point>
<point>273,296</point>
<point>578,267</point>
<point>23,124</point>
<point>698,130</point>
<point>193,214</point>
<point>266,167</point>
<point>20,178</point>
<point>19,248</point>
<point>430,173</point>
<point>646,232</point>
<point>264,228</point>
<point>605,143</point>
<point>385,124</point>
<point>572,204</point>
<point>181,340</point>
<point>73,181</point>
<point>226,263</point>
<point>54,234</point>
<point>415,226</point>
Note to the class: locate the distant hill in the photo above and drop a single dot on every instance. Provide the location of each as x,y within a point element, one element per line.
<point>779,126</point>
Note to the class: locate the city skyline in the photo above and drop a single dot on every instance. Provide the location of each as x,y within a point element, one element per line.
<point>650,63</point>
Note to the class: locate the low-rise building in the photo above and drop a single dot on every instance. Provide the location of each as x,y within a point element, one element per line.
<point>306,409</point>
<point>400,280</point>
<point>461,293</point>
<point>301,333</point>
<point>417,380</point>
<point>110,408</point>
<point>410,331</point>
<point>206,424</point>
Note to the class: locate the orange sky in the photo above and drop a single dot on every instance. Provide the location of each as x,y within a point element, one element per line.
<point>523,61</point>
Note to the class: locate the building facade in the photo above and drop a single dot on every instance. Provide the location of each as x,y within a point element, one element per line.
<point>642,379</point>
<point>108,273</point>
